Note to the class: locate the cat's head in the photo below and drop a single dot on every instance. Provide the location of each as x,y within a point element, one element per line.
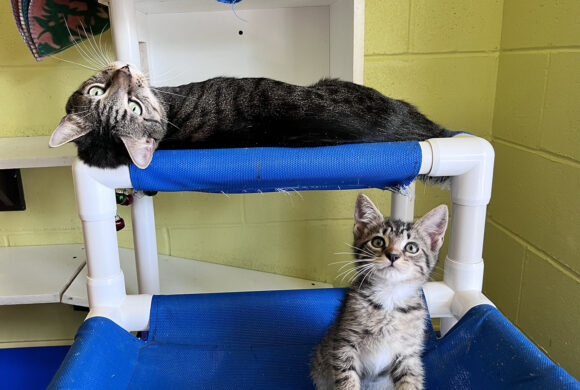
<point>393,250</point>
<point>113,117</point>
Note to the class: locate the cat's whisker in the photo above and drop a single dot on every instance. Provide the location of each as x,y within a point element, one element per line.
<point>299,194</point>
<point>74,63</point>
<point>169,93</point>
<point>346,274</point>
<point>356,270</point>
<point>371,271</point>
<point>363,250</point>
<point>167,75</point>
<point>347,271</point>
<point>346,265</point>
<point>345,261</point>
<point>98,45</point>
<point>78,48</point>
<point>168,122</point>
<point>361,271</point>
<point>90,48</point>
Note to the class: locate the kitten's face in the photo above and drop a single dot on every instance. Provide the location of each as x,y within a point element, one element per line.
<point>114,107</point>
<point>393,250</point>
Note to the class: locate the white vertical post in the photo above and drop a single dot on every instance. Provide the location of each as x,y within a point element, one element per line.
<point>145,241</point>
<point>403,206</point>
<point>124,30</point>
<point>97,208</point>
<point>95,194</point>
<point>470,160</point>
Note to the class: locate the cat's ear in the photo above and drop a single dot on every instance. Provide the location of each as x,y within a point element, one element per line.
<point>365,212</point>
<point>140,149</point>
<point>434,224</point>
<point>66,131</point>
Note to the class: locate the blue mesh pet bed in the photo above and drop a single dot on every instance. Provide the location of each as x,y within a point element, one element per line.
<point>373,165</point>
<point>263,340</point>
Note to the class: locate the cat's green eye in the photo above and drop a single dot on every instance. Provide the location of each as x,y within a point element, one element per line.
<point>135,107</point>
<point>96,91</point>
<point>378,242</point>
<point>411,247</point>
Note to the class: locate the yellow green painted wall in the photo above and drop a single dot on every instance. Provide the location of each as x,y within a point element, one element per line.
<point>504,70</point>
<point>533,233</point>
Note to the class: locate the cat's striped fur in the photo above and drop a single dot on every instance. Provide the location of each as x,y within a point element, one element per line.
<point>377,338</point>
<point>115,117</point>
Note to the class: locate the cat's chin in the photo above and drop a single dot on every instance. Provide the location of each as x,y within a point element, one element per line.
<point>396,274</point>
<point>103,158</point>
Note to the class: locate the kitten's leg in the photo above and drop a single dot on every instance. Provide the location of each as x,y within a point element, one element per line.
<point>407,372</point>
<point>343,363</point>
<point>333,372</point>
<point>348,380</point>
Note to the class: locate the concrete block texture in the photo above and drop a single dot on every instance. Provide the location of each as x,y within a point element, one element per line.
<point>457,92</point>
<point>536,198</point>
<point>540,23</point>
<point>519,97</point>
<point>549,310</point>
<point>455,25</point>
<point>503,257</point>
<point>386,26</point>
<point>560,127</point>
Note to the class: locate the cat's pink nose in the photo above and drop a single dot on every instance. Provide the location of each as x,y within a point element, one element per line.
<point>125,69</point>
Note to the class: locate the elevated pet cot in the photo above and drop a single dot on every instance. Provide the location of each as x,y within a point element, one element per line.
<point>262,340</point>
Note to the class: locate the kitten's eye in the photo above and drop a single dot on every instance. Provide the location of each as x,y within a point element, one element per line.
<point>411,247</point>
<point>96,91</point>
<point>135,107</point>
<point>378,242</point>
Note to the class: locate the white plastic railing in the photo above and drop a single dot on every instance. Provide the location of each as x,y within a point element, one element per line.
<point>467,158</point>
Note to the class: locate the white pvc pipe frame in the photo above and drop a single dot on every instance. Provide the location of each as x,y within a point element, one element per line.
<point>468,159</point>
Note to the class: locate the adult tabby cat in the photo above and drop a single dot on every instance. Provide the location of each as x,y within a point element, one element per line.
<point>115,117</point>
<point>377,338</point>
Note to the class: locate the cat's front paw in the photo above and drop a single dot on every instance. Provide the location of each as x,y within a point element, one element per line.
<point>409,386</point>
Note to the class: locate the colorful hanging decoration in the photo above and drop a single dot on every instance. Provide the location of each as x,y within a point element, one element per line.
<point>50,26</point>
<point>124,197</point>
<point>119,223</point>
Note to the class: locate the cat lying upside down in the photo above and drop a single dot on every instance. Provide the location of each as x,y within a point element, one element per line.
<point>115,117</point>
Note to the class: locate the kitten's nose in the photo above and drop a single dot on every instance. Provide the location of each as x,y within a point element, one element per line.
<point>393,256</point>
<point>125,69</point>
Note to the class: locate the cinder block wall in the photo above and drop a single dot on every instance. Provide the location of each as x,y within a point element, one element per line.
<point>507,71</point>
<point>441,56</point>
<point>532,249</point>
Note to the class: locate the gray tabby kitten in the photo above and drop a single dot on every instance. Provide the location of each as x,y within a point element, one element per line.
<point>376,340</point>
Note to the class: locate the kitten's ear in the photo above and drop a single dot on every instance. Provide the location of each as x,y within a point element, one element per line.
<point>434,224</point>
<point>365,212</point>
<point>140,149</point>
<point>66,131</point>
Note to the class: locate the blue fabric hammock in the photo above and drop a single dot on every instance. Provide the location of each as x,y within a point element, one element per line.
<point>353,166</point>
<point>263,340</point>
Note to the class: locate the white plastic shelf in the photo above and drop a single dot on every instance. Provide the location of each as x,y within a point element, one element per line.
<point>38,274</point>
<point>180,6</point>
<point>34,152</point>
<point>184,276</point>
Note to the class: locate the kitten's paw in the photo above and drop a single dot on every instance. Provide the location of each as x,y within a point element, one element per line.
<point>409,386</point>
